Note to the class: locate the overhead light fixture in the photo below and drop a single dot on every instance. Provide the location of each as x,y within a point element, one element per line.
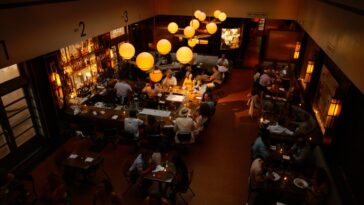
<point>172,27</point>
<point>333,112</point>
<point>145,61</point>
<point>211,28</point>
<point>156,75</point>
<point>126,51</point>
<point>222,16</point>
<point>164,46</point>
<point>189,32</point>
<point>192,42</point>
<point>217,13</point>
<point>194,23</point>
<point>184,55</point>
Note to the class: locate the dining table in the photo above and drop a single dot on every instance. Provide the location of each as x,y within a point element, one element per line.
<point>163,174</point>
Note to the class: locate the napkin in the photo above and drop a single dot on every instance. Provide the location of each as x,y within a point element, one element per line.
<point>94,112</point>
<point>273,147</point>
<point>73,156</point>
<point>158,168</point>
<point>286,157</point>
<point>89,159</point>
<point>114,117</point>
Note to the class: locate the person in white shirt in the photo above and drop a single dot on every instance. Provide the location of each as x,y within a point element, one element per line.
<point>223,61</point>
<point>122,90</point>
<point>132,123</point>
<point>169,80</point>
<point>184,125</point>
<point>200,87</point>
<point>257,181</point>
<point>277,128</point>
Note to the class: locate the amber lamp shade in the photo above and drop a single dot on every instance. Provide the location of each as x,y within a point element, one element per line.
<point>145,61</point>
<point>156,75</point>
<point>184,55</point>
<point>126,51</point>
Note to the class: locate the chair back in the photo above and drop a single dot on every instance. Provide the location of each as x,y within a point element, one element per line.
<point>184,137</point>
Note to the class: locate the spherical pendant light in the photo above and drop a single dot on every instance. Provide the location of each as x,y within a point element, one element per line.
<point>164,46</point>
<point>192,42</point>
<point>184,55</point>
<point>217,13</point>
<point>194,23</point>
<point>172,27</point>
<point>126,51</point>
<point>145,61</point>
<point>156,75</point>
<point>197,13</point>
<point>189,32</point>
<point>222,16</point>
<point>202,16</point>
<point>211,28</point>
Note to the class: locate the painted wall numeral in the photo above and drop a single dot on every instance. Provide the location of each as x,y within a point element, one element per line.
<point>3,45</point>
<point>82,26</point>
<point>125,16</point>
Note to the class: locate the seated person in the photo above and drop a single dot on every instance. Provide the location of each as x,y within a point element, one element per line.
<point>184,126</point>
<point>207,98</point>
<point>258,180</point>
<point>141,165</point>
<point>278,128</point>
<point>155,198</point>
<point>200,87</point>
<point>260,146</point>
<point>132,123</point>
<point>200,119</point>
<point>265,80</point>
<point>300,151</point>
<point>188,82</point>
<point>215,79</point>
<point>319,191</point>
<point>222,64</point>
<point>54,192</point>
<point>150,90</point>
<point>169,80</point>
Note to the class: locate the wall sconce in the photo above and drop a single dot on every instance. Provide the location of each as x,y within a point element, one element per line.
<point>309,70</point>
<point>297,50</point>
<point>333,113</point>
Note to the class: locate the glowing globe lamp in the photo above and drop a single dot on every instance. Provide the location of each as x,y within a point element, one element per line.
<point>184,55</point>
<point>145,61</point>
<point>126,51</point>
<point>164,46</point>
<point>172,27</point>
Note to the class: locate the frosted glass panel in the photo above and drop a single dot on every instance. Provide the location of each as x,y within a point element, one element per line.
<point>9,73</point>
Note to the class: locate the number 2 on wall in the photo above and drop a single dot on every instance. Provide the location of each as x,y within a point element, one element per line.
<point>3,45</point>
<point>82,25</point>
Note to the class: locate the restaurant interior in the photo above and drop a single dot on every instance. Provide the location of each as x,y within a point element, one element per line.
<point>181,102</point>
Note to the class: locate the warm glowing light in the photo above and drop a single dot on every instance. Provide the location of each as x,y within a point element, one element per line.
<point>172,27</point>
<point>58,80</point>
<point>217,13</point>
<point>164,46</point>
<point>192,42</point>
<point>297,50</point>
<point>189,32</point>
<point>211,28</point>
<point>333,112</point>
<point>222,16</point>
<point>202,16</point>
<point>309,70</point>
<point>156,75</point>
<point>126,51</point>
<point>145,61</point>
<point>203,42</point>
<point>184,55</point>
<point>194,23</point>
<point>197,13</point>
<point>60,92</point>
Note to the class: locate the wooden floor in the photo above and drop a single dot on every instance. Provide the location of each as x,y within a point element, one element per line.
<point>220,160</point>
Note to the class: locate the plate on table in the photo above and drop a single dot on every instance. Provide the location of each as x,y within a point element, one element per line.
<point>276,176</point>
<point>300,183</point>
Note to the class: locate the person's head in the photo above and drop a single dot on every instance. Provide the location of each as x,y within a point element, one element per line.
<point>190,76</point>
<point>145,154</point>
<point>169,73</point>
<point>223,56</point>
<point>133,113</point>
<point>206,97</point>
<point>184,112</point>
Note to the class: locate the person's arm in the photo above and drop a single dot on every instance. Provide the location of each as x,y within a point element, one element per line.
<point>174,81</point>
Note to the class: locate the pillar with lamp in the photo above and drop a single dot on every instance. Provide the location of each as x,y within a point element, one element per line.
<point>332,114</point>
